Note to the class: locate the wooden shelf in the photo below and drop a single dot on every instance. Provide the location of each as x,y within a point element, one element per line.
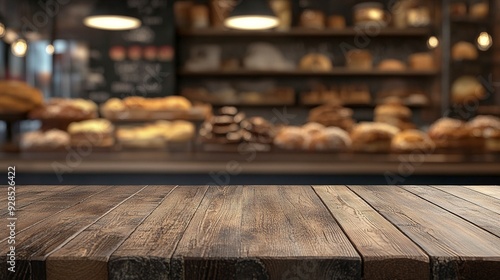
<point>470,20</point>
<point>299,73</point>
<point>364,106</point>
<point>304,32</point>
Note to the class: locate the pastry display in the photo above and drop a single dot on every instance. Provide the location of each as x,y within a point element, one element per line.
<point>487,127</point>
<point>283,10</point>
<point>312,19</point>
<point>355,94</point>
<point>321,95</point>
<point>458,9</point>
<point>97,132</point>
<point>258,130</point>
<point>359,59</point>
<point>223,128</point>
<point>336,22</point>
<point>155,135</point>
<point>419,16</point>
<point>410,95</point>
<point>412,140</point>
<point>38,141</point>
<point>464,51</point>
<point>373,137</point>
<point>450,133</point>
<point>266,57</point>
<point>391,65</point>
<point>466,89</point>
<point>315,62</point>
<point>332,114</point>
<point>18,97</point>
<point>222,95</point>
<point>421,61</point>
<point>393,112</point>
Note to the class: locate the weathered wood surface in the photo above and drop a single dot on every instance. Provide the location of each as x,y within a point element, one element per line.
<point>255,232</point>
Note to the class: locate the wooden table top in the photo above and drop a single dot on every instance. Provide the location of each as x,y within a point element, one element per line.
<point>254,232</point>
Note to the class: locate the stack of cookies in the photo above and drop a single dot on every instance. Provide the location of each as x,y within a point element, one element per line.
<point>223,128</point>
<point>258,130</point>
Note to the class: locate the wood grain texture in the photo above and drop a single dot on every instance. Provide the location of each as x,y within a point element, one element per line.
<point>26,195</point>
<point>481,217</point>
<point>458,249</point>
<point>473,196</point>
<point>56,202</point>
<point>387,253</point>
<point>493,191</point>
<point>210,246</point>
<point>147,251</point>
<point>86,256</point>
<point>35,243</point>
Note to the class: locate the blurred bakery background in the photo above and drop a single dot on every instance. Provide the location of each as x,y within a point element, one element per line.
<point>250,91</point>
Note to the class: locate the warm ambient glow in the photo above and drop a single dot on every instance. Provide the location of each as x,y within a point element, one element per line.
<point>112,22</point>
<point>433,42</point>
<point>484,41</point>
<point>49,49</point>
<point>19,47</point>
<point>10,36</point>
<point>2,30</point>
<point>252,22</point>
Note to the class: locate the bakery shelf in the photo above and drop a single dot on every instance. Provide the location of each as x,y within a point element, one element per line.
<point>305,32</point>
<point>365,106</point>
<point>470,20</point>
<point>299,73</point>
<point>489,110</point>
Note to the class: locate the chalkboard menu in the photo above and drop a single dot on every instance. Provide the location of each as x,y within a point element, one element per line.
<point>137,62</point>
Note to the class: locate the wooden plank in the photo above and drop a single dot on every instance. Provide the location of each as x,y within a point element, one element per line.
<point>481,217</point>
<point>291,234</point>
<point>86,256</point>
<point>478,198</point>
<point>35,243</point>
<point>493,191</point>
<point>457,248</point>
<point>211,242</point>
<point>387,253</point>
<point>36,213</point>
<point>26,195</point>
<point>146,253</point>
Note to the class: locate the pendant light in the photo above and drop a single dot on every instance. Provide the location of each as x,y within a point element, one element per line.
<point>112,15</point>
<point>3,26</point>
<point>252,15</point>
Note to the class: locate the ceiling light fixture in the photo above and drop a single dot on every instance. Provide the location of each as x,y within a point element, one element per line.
<point>19,47</point>
<point>252,15</point>
<point>112,15</point>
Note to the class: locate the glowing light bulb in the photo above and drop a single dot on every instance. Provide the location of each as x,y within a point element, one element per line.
<point>433,42</point>
<point>2,30</point>
<point>49,49</point>
<point>19,47</point>
<point>484,41</point>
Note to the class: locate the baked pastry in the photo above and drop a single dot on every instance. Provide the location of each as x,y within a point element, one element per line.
<point>44,141</point>
<point>328,139</point>
<point>336,22</point>
<point>373,137</point>
<point>391,65</point>
<point>421,61</point>
<point>355,94</point>
<point>393,112</point>
<point>464,51</point>
<point>258,130</point>
<point>480,10</point>
<point>97,132</point>
<point>316,62</point>
<point>488,128</point>
<point>18,97</point>
<point>332,114</point>
<point>359,59</point>
<point>466,89</point>
<point>60,108</point>
<point>450,133</point>
<point>412,140</point>
<point>312,19</point>
<point>290,138</point>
